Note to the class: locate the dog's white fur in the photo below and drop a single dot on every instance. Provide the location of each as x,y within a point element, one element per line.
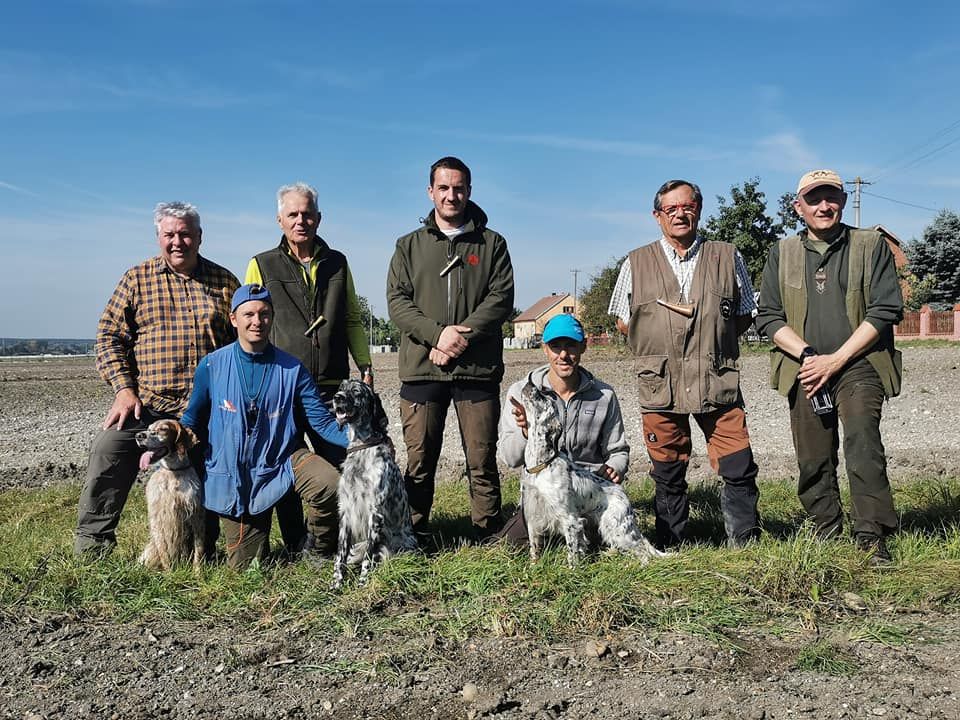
<point>561,498</point>
<point>374,512</point>
<point>174,510</point>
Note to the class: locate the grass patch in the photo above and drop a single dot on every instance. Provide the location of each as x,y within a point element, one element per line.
<point>827,657</point>
<point>789,580</point>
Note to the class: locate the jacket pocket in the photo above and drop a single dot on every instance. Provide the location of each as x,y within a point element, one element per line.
<point>220,493</point>
<point>723,381</point>
<point>653,382</point>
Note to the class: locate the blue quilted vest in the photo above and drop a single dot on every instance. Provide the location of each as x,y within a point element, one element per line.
<point>248,468</point>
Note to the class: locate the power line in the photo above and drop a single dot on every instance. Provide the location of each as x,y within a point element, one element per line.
<point>902,158</point>
<point>899,202</point>
<point>929,154</point>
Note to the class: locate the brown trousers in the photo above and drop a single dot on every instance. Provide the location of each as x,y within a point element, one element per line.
<point>315,483</point>
<point>667,436</point>
<point>423,425</point>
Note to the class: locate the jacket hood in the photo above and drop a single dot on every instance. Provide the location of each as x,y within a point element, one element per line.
<point>538,376</point>
<point>474,218</point>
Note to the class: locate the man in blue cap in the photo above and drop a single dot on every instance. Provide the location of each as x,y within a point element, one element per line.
<point>593,435</point>
<point>247,400</point>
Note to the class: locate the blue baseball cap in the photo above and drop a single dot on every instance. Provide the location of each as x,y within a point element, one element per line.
<point>563,326</point>
<point>246,293</point>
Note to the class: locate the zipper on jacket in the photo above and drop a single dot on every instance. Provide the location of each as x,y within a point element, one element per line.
<point>450,253</point>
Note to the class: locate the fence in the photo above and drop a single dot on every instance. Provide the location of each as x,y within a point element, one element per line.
<point>927,323</point>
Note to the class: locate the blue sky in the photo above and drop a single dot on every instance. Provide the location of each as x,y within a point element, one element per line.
<point>569,113</point>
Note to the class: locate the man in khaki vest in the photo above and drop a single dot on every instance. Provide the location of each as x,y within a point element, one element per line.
<point>829,299</point>
<point>683,302</point>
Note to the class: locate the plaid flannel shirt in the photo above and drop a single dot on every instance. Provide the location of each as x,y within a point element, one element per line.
<point>157,326</point>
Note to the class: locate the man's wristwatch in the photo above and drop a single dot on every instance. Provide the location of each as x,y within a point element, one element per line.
<point>808,351</point>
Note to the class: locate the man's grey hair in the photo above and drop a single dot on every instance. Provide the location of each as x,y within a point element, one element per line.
<point>673,185</point>
<point>300,188</point>
<point>176,209</point>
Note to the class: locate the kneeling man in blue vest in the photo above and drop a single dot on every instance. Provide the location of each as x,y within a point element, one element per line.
<point>249,402</point>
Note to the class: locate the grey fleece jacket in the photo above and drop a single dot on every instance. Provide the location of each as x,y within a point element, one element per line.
<point>593,433</point>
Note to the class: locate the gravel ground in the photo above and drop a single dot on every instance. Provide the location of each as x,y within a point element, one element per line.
<point>64,667</point>
<point>51,409</point>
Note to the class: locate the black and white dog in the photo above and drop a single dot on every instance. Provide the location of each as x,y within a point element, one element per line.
<point>562,498</point>
<point>374,513</point>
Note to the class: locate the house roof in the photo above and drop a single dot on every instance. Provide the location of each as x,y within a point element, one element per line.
<point>884,231</point>
<point>541,306</point>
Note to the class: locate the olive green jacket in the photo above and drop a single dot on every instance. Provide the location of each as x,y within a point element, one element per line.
<point>477,292</point>
<point>870,266</point>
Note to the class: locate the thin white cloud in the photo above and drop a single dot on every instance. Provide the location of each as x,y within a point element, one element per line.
<point>17,189</point>
<point>51,83</point>
<point>784,152</point>
<point>329,76</point>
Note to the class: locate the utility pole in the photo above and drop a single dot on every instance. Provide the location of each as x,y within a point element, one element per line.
<point>575,273</point>
<point>857,182</point>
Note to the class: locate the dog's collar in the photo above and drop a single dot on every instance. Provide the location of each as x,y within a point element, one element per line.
<point>372,442</point>
<point>168,466</point>
<point>542,466</point>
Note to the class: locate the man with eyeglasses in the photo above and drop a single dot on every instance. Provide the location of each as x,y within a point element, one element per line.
<point>829,299</point>
<point>245,399</point>
<point>683,302</point>
<point>164,315</point>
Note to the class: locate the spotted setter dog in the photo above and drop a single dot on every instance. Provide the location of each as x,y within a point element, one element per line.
<point>174,510</point>
<point>374,513</point>
<point>562,498</point>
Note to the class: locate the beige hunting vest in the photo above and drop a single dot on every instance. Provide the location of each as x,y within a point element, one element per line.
<point>685,364</point>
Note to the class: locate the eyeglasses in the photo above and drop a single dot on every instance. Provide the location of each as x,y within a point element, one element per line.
<point>685,208</point>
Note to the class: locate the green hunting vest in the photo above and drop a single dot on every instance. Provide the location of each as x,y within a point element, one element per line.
<point>884,357</point>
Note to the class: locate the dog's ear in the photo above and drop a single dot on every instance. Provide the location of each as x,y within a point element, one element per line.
<point>189,438</point>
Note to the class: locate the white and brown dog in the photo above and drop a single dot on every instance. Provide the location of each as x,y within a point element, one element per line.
<point>374,512</point>
<point>174,509</point>
<point>561,498</point>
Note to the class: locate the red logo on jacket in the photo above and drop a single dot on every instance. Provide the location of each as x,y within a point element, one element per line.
<point>473,260</point>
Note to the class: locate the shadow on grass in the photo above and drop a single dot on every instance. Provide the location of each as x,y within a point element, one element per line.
<point>932,509</point>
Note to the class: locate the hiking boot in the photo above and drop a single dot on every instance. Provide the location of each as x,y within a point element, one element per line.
<point>875,545</point>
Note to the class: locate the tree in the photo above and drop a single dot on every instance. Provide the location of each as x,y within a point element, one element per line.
<point>507,329</point>
<point>595,300</point>
<point>745,223</point>
<point>379,331</point>
<point>917,292</point>
<point>789,219</point>
<point>938,254</point>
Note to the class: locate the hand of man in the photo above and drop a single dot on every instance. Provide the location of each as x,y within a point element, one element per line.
<point>125,403</point>
<point>438,357</point>
<point>610,474</point>
<point>816,370</point>
<point>367,375</point>
<point>519,415</point>
<point>451,340</point>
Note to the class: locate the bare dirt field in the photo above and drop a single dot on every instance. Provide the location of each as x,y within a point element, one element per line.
<point>65,667</point>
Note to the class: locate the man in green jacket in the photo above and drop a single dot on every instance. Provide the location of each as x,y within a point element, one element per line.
<point>829,299</point>
<point>317,320</point>
<point>449,291</point>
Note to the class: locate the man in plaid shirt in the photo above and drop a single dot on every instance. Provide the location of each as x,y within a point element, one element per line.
<point>163,317</point>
